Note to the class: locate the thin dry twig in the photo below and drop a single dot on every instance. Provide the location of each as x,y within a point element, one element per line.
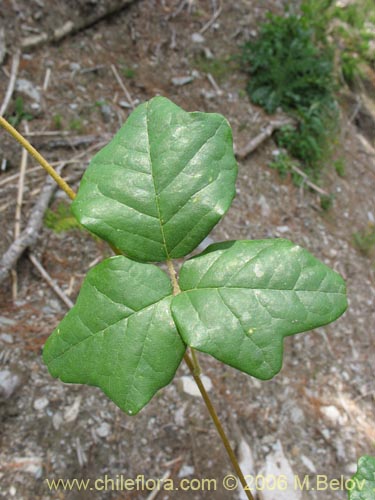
<point>156,491</point>
<point>50,281</point>
<point>81,23</point>
<point>209,23</point>
<point>260,138</point>
<point>17,218</point>
<point>308,181</point>
<point>30,234</point>
<point>13,177</point>
<point>12,82</point>
<point>215,86</point>
<point>122,85</point>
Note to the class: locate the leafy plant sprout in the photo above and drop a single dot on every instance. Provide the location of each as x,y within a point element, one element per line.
<point>154,193</point>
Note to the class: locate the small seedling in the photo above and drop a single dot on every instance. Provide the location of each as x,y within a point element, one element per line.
<point>154,193</point>
<point>19,113</point>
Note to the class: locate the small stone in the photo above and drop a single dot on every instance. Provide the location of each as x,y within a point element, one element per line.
<point>282,229</point>
<point>106,112</point>
<point>297,416</point>
<point>28,88</point>
<point>41,403</point>
<point>7,338</point>
<point>2,45</point>
<point>179,81</point>
<point>308,463</point>
<point>197,38</point>
<point>207,53</point>
<point>277,465</point>
<point>9,382</point>
<point>188,385</point>
<point>71,412</point>
<point>4,321</point>
<point>57,420</point>
<point>74,67</point>
<point>125,104</point>
<point>264,206</point>
<point>186,470</point>
<point>332,414</point>
<point>104,430</point>
<point>205,243</point>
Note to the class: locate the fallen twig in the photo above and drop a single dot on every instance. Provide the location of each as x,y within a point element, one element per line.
<point>79,24</point>
<point>215,86</point>
<point>265,134</point>
<point>308,181</point>
<point>122,85</point>
<point>209,23</point>
<point>50,281</point>
<point>12,82</point>
<point>69,142</point>
<point>30,234</point>
<point>17,218</point>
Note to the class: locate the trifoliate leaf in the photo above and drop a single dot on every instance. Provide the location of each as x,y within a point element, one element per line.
<point>240,299</point>
<point>363,481</point>
<point>120,335</point>
<point>162,183</point>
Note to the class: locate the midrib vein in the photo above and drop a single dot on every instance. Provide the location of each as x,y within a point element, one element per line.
<point>154,184</point>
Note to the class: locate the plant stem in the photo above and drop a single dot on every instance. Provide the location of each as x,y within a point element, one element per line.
<point>193,365</point>
<point>39,158</point>
<point>219,427</point>
<point>44,163</point>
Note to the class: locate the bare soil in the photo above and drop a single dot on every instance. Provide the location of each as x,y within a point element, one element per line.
<point>321,405</point>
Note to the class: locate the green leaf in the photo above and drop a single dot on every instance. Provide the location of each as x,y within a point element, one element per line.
<point>363,481</point>
<point>120,335</point>
<point>158,188</point>
<point>240,299</point>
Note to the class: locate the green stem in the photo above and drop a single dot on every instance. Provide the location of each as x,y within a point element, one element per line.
<point>39,158</point>
<point>193,365</point>
<point>219,427</point>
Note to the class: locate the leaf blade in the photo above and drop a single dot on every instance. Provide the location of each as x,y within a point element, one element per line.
<point>120,335</point>
<point>157,189</point>
<point>240,299</point>
<point>363,487</point>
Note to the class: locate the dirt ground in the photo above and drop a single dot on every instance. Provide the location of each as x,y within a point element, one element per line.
<point>319,409</point>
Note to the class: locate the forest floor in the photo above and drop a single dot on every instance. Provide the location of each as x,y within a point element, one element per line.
<point>317,415</point>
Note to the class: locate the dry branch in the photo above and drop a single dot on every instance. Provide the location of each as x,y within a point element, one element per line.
<point>260,138</point>
<point>30,234</point>
<point>50,281</point>
<point>80,23</point>
<point>12,82</point>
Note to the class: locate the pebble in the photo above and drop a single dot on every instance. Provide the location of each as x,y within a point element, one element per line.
<point>7,321</point>
<point>186,470</point>
<point>308,463</point>
<point>332,414</point>
<point>282,229</point>
<point>264,206</point>
<point>57,420</point>
<point>7,338</point>
<point>28,88</point>
<point>297,416</point>
<point>104,430</point>
<point>188,385</point>
<point>9,382</point>
<point>197,38</point>
<point>179,81</point>
<point>277,465</point>
<point>40,403</point>
<point>71,412</point>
